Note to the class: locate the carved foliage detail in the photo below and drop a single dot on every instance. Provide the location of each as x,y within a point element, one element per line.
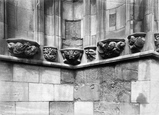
<point>157,41</point>
<point>136,42</point>
<point>90,53</point>
<point>110,48</point>
<point>72,56</point>
<point>23,48</point>
<point>50,53</point>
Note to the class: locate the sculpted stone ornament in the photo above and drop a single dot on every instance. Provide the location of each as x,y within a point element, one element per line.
<point>22,48</point>
<point>90,52</point>
<point>110,48</point>
<point>156,35</point>
<point>136,41</point>
<point>72,55</point>
<point>50,53</point>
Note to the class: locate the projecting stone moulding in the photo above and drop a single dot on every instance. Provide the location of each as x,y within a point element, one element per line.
<point>110,47</point>
<point>136,41</point>
<point>72,55</point>
<point>90,52</point>
<point>156,35</point>
<point>50,53</point>
<point>22,48</point>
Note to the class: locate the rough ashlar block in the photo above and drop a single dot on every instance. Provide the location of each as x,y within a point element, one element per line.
<point>67,76</point>
<point>63,92</point>
<point>41,92</point>
<point>25,73</point>
<point>7,108</point>
<point>32,108</point>
<point>83,108</point>
<point>6,71</point>
<point>50,75</point>
<point>87,92</point>
<point>13,91</point>
<point>140,92</point>
<point>61,108</point>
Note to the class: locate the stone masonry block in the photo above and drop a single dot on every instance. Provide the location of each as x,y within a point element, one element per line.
<point>32,108</point>
<point>50,75</point>
<point>6,71</point>
<point>13,91</point>
<point>7,108</point>
<point>115,91</point>
<point>154,94</point>
<point>63,92</point>
<point>61,108</point>
<point>140,92</point>
<point>115,108</point>
<point>83,108</point>
<point>25,73</point>
<point>41,92</point>
<point>87,92</point>
<point>67,76</point>
<point>154,70</point>
<point>144,70</point>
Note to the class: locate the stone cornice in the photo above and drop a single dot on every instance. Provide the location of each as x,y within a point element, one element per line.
<point>85,65</point>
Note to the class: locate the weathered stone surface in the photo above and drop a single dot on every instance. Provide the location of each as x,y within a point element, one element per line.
<point>6,71</point>
<point>67,76</point>
<point>50,75</point>
<point>41,92</point>
<point>106,73</point>
<point>32,108</point>
<point>80,77</point>
<point>25,73</point>
<point>49,25</point>
<point>126,74</point>
<point>7,108</point>
<point>61,108</point>
<point>115,109</point>
<point>115,91</point>
<point>87,92</point>
<point>13,91</point>
<point>91,75</point>
<point>83,108</point>
<point>140,92</point>
<point>106,108</point>
<point>63,92</point>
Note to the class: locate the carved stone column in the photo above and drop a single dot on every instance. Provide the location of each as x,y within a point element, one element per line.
<point>101,28</point>
<point>53,22</point>
<point>87,22</point>
<point>2,27</point>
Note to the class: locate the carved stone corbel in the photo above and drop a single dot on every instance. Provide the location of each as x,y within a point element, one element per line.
<point>110,47</point>
<point>90,52</point>
<point>22,48</point>
<point>50,53</point>
<point>156,35</point>
<point>72,55</point>
<point>136,41</point>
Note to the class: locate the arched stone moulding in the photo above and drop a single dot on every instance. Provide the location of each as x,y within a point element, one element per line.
<point>110,47</point>
<point>90,52</point>
<point>23,48</point>
<point>72,56</point>
<point>50,53</point>
<point>136,41</point>
<point>156,35</point>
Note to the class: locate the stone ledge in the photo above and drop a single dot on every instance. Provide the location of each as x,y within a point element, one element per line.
<point>150,53</point>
